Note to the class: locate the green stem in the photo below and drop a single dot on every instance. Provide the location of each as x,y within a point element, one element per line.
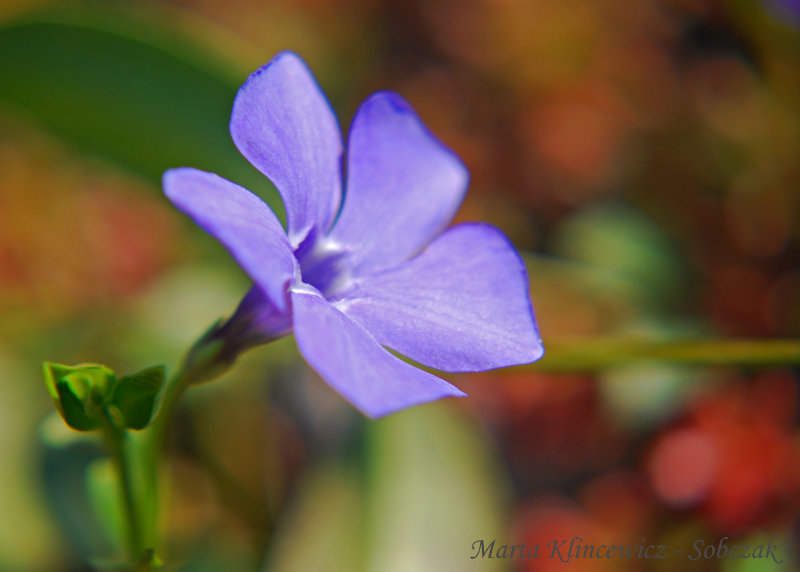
<point>150,447</point>
<point>586,355</point>
<point>206,360</point>
<point>120,446</point>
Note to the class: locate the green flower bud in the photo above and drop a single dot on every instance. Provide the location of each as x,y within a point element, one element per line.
<point>89,395</point>
<point>80,392</point>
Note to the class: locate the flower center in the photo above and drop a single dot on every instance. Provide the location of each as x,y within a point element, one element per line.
<point>323,265</point>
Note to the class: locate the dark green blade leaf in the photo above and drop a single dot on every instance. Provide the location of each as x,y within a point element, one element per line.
<point>133,94</point>
<point>135,396</point>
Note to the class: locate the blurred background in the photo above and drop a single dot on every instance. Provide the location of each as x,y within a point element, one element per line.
<point>642,155</point>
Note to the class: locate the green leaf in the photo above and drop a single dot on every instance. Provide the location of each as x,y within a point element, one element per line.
<point>585,354</point>
<point>328,513</point>
<point>135,396</point>
<point>431,492</point>
<point>120,84</point>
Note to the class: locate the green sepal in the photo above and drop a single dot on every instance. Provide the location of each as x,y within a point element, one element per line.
<point>80,392</point>
<point>133,401</point>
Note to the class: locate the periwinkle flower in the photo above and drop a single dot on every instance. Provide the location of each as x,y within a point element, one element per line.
<point>369,268</point>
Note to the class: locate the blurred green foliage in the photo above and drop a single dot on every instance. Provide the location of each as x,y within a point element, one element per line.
<point>125,88</point>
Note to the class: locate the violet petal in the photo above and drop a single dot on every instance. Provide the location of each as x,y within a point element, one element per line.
<point>352,362</point>
<point>403,185</point>
<point>241,221</point>
<point>283,125</point>
<point>461,305</point>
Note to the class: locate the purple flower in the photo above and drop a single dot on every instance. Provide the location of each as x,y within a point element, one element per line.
<point>370,267</point>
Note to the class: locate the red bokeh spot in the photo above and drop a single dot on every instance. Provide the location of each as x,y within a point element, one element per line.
<point>682,467</point>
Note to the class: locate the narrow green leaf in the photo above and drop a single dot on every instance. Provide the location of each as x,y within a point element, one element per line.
<point>577,355</point>
<point>328,514</point>
<point>124,87</point>
<point>135,396</point>
<point>431,492</point>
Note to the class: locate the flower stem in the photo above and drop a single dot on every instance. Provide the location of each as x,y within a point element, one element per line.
<point>150,448</point>
<point>586,355</point>
<point>207,359</point>
<point>120,446</point>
